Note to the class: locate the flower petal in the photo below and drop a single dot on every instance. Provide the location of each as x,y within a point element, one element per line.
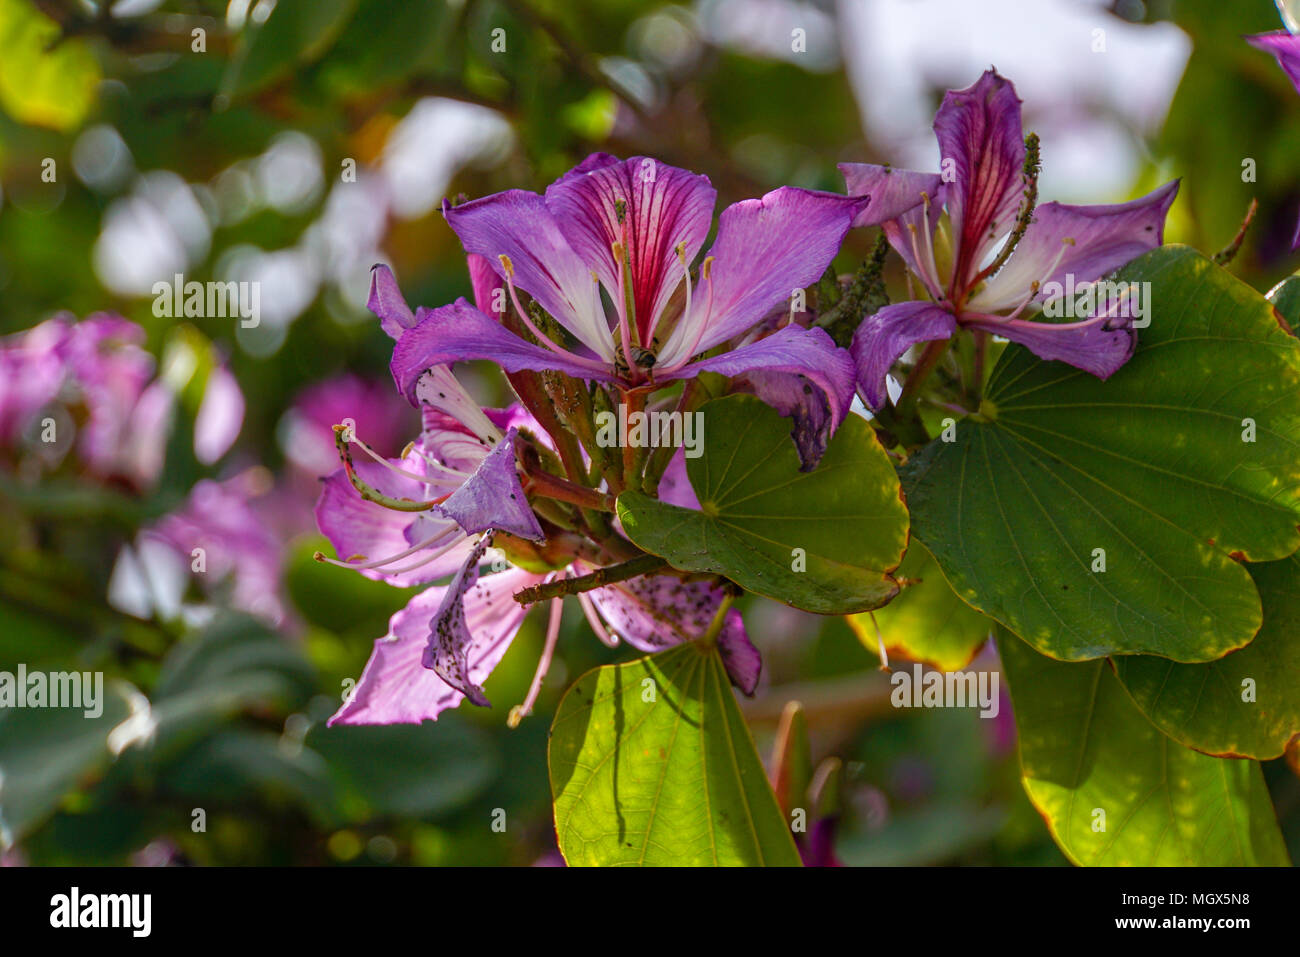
<point>766,249</point>
<point>663,206</point>
<point>881,340</point>
<point>489,288</point>
<point>1285,47</point>
<point>396,688</point>
<point>493,498</point>
<point>387,302</point>
<point>891,192</point>
<point>782,369</point>
<point>1083,242</point>
<point>459,331</point>
<point>1100,345</point>
<point>357,527</point>
<point>979,131</point>
<point>658,611</point>
<point>220,416</point>
<point>518,225</point>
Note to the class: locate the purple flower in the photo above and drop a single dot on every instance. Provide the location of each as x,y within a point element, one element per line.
<point>633,228</point>
<point>1286,48</point>
<point>982,191</point>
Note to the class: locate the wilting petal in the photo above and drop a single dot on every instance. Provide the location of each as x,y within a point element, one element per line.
<point>659,611</point>
<point>493,498</point>
<point>459,331</point>
<point>1100,345</point>
<point>518,225</point>
<point>663,206</point>
<point>387,302</point>
<point>979,130</point>
<point>356,527</point>
<point>396,688</point>
<point>220,416</point>
<point>1085,242</point>
<point>882,339</point>
<point>801,354</point>
<point>891,192</point>
<point>1285,47</point>
<point>766,249</point>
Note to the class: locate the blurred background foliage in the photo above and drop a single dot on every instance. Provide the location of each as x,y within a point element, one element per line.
<point>295,144</point>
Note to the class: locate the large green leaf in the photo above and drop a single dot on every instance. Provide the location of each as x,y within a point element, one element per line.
<point>1151,467</point>
<point>1115,790</point>
<point>1246,703</point>
<point>927,621</point>
<point>651,763</point>
<point>826,541</point>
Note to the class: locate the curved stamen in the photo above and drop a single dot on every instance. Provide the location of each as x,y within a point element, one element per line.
<point>1037,284</point>
<point>706,270</point>
<point>519,712</point>
<point>542,338</point>
<point>430,542</point>
<point>422,479</point>
<point>931,268</point>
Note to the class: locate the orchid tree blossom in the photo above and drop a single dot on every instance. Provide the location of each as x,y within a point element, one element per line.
<point>433,513</point>
<point>629,231</point>
<point>984,254</point>
<point>1285,47</point>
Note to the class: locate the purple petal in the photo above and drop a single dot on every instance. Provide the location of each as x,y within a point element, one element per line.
<point>766,249</point>
<point>493,498</point>
<point>220,416</point>
<point>881,340</point>
<point>979,130</point>
<point>801,373</point>
<point>675,485</point>
<point>1285,47</point>
<point>663,206</point>
<point>459,331</point>
<point>892,192</point>
<point>489,288</point>
<point>742,660</point>
<point>518,225</point>
<point>438,389</point>
<point>659,611</point>
<point>1099,345</point>
<point>1082,242</point>
<point>396,687</point>
<point>387,302</point>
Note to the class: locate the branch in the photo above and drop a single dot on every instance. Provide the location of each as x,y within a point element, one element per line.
<point>632,568</point>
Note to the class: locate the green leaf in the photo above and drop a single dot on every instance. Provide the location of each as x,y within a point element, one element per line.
<point>41,83</point>
<point>651,763</point>
<point>47,752</point>
<point>408,770</point>
<point>294,34</point>
<point>1085,751</point>
<point>1202,706</point>
<point>1151,467</point>
<point>927,621</point>
<point>761,517</point>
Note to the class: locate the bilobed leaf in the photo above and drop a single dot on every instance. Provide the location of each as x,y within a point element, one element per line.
<point>651,763</point>
<point>1115,790</point>
<point>1185,460</point>
<point>43,83</point>
<point>1209,706</point>
<point>927,621</point>
<point>844,523</point>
